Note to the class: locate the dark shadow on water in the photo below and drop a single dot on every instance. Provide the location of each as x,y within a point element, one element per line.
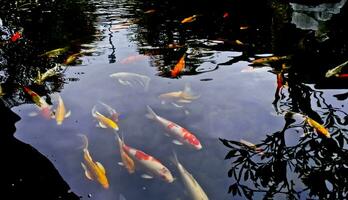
<point>27,173</point>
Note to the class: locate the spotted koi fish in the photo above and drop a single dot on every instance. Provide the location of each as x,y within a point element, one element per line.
<point>181,135</point>
<point>150,164</point>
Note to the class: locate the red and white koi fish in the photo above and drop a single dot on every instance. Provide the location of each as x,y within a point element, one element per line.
<point>181,135</point>
<point>195,191</point>
<point>93,170</point>
<point>104,122</point>
<point>60,113</point>
<point>150,164</point>
<point>42,105</point>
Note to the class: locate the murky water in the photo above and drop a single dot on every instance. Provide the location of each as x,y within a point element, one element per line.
<point>236,101</point>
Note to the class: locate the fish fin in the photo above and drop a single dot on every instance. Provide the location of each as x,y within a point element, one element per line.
<point>85,141</point>
<point>87,174</point>
<point>33,114</point>
<point>151,114</point>
<point>123,82</point>
<point>94,111</point>
<point>146,82</point>
<point>101,167</point>
<point>177,142</point>
<point>177,105</point>
<point>146,176</point>
<point>67,114</point>
<point>101,125</point>
<point>120,163</point>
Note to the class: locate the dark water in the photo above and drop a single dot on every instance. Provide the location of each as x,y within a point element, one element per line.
<point>237,101</point>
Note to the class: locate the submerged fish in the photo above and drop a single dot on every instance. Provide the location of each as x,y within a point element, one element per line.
<point>184,96</point>
<point>112,112</point>
<point>189,19</point>
<point>60,113</point>
<point>104,122</point>
<point>70,59</point>
<point>49,73</point>
<point>179,67</point>
<point>252,146</point>
<point>42,105</point>
<point>127,78</point>
<point>131,59</point>
<point>55,52</point>
<point>180,134</point>
<point>127,162</point>
<point>195,191</point>
<point>335,71</point>
<point>151,165</point>
<point>93,170</point>
<point>319,128</point>
<point>266,60</point>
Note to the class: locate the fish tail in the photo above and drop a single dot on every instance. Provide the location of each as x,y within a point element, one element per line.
<point>119,139</point>
<point>94,111</point>
<point>175,159</point>
<point>151,114</point>
<point>85,141</point>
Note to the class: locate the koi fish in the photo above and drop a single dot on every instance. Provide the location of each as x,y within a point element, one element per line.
<point>279,81</point>
<point>49,73</point>
<point>243,27</point>
<point>55,52</point>
<point>150,164</point>
<point>189,19</point>
<point>318,127</point>
<point>127,162</point>
<point>184,96</point>
<point>93,170</point>
<point>343,75</point>
<point>41,104</point>
<point>180,134</point>
<point>336,70</point>
<point>251,146</point>
<point>112,112</point>
<point>16,36</point>
<point>195,191</point>
<point>266,60</point>
<point>70,59</point>
<point>226,14</point>
<point>60,113</point>
<point>150,11</point>
<point>179,67</point>
<point>131,59</point>
<point>104,122</point>
<point>127,78</point>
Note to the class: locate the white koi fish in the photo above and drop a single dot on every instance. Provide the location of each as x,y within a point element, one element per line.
<point>184,96</point>
<point>180,134</point>
<point>150,164</point>
<point>195,191</point>
<point>60,113</point>
<point>104,122</point>
<point>93,170</point>
<point>127,78</point>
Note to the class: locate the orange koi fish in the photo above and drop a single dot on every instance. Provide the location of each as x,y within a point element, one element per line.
<point>16,36</point>
<point>42,105</point>
<point>104,122</point>
<point>127,162</point>
<point>180,134</point>
<point>151,165</point>
<point>179,67</point>
<point>93,170</point>
<point>266,60</point>
<point>189,19</point>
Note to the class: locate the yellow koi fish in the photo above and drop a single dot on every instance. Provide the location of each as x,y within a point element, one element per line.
<point>55,52</point>
<point>70,59</point>
<point>104,122</point>
<point>61,113</point>
<point>318,127</point>
<point>127,162</point>
<point>93,170</point>
<point>49,73</point>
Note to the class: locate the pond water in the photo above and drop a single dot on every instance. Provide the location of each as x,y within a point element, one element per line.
<point>235,99</point>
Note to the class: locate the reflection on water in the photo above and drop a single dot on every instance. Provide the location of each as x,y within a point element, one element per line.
<point>222,70</point>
